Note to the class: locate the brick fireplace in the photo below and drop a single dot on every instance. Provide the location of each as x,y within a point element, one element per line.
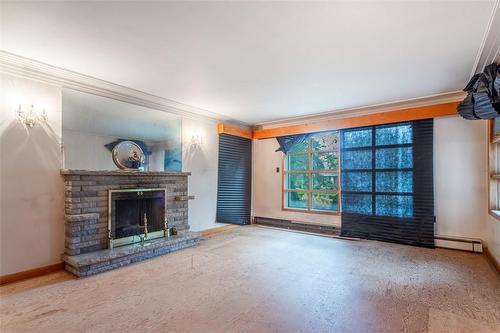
<point>97,202</point>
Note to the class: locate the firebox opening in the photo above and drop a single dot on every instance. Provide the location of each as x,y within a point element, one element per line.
<point>135,215</point>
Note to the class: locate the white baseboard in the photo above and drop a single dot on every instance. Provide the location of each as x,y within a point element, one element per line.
<point>464,244</point>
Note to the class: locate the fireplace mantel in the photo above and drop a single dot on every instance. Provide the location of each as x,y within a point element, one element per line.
<point>68,172</point>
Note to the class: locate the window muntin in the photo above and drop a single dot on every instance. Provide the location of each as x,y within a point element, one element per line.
<point>311,175</point>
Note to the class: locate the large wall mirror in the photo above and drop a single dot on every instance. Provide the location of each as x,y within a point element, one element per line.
<point>92,125</point>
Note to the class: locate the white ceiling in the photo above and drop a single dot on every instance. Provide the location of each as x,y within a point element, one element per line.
<point>258,61</point>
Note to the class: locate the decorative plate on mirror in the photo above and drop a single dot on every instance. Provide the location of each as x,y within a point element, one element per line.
<point>127,155</point>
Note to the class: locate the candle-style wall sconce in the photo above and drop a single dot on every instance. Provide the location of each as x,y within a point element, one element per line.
<point>31,118</point>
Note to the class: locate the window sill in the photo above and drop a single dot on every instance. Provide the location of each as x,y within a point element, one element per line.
<point>310,211</point>
<point>495,214</point>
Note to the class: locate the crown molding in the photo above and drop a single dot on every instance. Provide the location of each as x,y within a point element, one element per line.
<point>20,66</point>
<point>450,97</point>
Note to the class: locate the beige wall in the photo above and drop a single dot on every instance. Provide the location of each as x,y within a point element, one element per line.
<point>460,177</point>
<point>32,192</point>
<point>31,205</point>
<point>461,181</point>
<point>202,161</point>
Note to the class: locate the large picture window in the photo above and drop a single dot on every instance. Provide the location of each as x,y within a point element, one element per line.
<point>311,175</point>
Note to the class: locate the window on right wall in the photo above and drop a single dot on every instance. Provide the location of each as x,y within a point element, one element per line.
<point>494,167</point>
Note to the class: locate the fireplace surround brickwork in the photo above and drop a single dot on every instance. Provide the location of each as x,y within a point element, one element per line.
<point>86,211</point>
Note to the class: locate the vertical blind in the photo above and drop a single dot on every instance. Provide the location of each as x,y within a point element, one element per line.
<point>387,183</point>
<point>234,183</point>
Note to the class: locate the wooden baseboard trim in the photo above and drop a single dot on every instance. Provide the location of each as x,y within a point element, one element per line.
<point>15,277</point>
<point>492,259</point>
<point>216,230</point>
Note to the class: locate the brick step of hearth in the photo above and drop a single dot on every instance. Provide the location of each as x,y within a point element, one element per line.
<point>99,261</point>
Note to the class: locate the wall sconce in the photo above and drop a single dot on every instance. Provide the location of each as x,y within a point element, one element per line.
<point>31,118</point>
<point>196,141</point>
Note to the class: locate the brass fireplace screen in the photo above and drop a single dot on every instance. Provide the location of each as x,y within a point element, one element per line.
<point>136,215</point>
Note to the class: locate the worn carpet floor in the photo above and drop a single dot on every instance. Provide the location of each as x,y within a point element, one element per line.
<point>255,279</point>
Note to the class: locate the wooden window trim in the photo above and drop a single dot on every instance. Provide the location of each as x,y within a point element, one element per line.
<point>493,173</point>
<point>309,172</point>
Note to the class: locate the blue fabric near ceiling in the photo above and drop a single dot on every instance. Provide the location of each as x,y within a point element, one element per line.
<point>287,143</point>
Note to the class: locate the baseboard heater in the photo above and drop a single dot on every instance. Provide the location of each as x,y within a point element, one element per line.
<point>458,243</point>
<point>299,226</point>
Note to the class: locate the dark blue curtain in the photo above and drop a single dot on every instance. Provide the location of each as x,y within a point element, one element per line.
<point>234,190</point>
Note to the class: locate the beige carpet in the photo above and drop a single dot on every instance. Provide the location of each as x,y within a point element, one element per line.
<point>255,279</point>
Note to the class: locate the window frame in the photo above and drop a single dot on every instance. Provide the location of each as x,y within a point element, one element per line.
<point>493,171</point>
<point>310,171</point>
